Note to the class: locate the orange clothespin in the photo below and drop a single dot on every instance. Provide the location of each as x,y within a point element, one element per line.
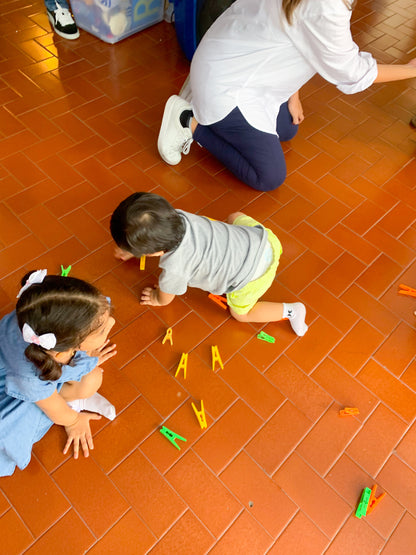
<point>168,336</point>
<point>182,365</point>
<point>216,357</point>
<point>349,411</point>
<point>142,262</point>
<point>200,414</point>
<point>219,300</point>
<point>373,502</point>
<point>406,290</point>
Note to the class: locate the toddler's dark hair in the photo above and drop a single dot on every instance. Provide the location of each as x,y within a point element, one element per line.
<point>68,307</point>
<point>145,223</point>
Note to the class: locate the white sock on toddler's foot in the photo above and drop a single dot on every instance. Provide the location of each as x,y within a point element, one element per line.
<point>295,313</point>
<point>96,403</point>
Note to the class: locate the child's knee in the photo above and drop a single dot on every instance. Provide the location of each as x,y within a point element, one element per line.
<point>232,217</point>
<point>239,317</point>
<point>90,383</point>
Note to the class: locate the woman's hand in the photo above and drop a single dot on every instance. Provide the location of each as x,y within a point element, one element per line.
<point>295,108</point>
<point>106,351</point>
<point>80,433</point>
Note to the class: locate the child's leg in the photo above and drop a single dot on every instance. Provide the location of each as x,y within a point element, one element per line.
<point>87,386</point>
<point>265,311</point>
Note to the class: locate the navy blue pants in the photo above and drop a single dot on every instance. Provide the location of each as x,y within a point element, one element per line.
<point>254,156</point>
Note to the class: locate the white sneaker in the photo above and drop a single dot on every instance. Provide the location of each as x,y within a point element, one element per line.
<point>63,23</point>
<point>174,140</point>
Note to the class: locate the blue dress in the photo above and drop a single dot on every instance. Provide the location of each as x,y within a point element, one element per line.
<point>22,422</point>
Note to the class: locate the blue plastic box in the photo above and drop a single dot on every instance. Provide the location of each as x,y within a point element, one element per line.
<point>114,20</point>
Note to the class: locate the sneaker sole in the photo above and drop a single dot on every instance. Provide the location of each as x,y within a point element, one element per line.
<point>165,122</point>
<point>60,33</point>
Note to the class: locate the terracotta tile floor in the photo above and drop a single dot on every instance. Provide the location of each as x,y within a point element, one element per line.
<point>276,471</point>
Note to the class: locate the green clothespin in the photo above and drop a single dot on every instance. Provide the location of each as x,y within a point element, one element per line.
<point>171,436</point>
<point>363,504</point>
<point>65,271</point>
<point>264,337</point>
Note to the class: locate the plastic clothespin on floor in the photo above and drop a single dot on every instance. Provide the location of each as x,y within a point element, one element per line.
<point>219,300</point>
<point>182,365</point>
<point>373,502</point>
<point>168,336</point>
<point>407,290</point>
<point>265,337</point>
<point>200,414</point>
<point>349,411</point>
<point>216,357</point>
<point>171,436</point>
<point>142,262</point>
<point>363,504</point>
<point>65,271</point>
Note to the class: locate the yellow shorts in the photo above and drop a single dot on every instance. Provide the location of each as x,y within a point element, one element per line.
<point>243,300</point>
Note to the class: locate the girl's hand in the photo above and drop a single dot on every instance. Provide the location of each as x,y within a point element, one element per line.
<point>80,433</point>
<point>122,254</point>
<point>150,296</point>
<point>106,351</point>
<point>295,108</point>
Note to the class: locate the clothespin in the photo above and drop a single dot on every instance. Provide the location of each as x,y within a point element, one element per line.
<point>200,414</point>
<point>182,365</point>
<point>216,357</point>
<point>219,300</point>
<point>171,436</point>
<point>264,337</point>
<point>373,502</point>
<point>349,411</point>
<point>363,504</point>
<point>142,262</point>
<point>65,271</point>
<point>168,336</point>
<point>406,290</point>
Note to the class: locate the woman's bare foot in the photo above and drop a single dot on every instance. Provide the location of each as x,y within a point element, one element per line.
<point>122,254</point>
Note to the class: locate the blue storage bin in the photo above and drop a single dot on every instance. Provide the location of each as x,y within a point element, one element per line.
<point>114,20</point>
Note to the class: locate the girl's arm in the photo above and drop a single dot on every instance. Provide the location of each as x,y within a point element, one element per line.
<point>77,425</point>
<point>395,72</point>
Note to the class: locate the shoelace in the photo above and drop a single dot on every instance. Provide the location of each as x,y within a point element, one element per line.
<point>187,145</point>
<point>63,16</point>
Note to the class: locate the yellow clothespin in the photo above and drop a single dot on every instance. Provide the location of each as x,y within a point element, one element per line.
<point>216,357</point>
<point>182,365</point>
<point>168,336</point>
<point>142,262</point>
<point>200,414</point>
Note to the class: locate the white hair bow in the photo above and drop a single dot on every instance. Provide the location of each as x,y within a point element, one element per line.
<point>35,277</point>
<point>47,340</point>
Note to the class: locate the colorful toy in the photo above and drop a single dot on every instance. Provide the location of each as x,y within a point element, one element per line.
<point>216,357</point>
<point>65,271</point>
<point>182,365</point>
<point>373,502</point>
<point>200,414</point>
<point>142,262</point>
<point>363,504</point>
<point>349,411</point>
<point>219,300</point>
<point>265,337</point>
<point>168,336</point>
<point>171,436</point>
<point>406,290</point>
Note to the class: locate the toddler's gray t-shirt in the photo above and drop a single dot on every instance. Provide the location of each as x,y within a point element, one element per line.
<point>213,256</point>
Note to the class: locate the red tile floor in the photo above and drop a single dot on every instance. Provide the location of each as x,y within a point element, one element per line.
<point>276,471</point>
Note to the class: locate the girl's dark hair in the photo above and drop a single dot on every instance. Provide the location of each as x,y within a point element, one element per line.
<point>68,307</point>
<point>145,223</point>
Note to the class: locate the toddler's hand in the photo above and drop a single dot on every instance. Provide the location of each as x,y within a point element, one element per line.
<point>80,432</point>
<point>122,254</point>
<point>108,350</point>
<point>150,296</point>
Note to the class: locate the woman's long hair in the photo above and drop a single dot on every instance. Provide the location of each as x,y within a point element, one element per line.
<point>289,6</point>
<point>68,307</point>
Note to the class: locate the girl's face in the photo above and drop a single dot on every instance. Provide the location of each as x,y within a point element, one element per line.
<point>97,338</point>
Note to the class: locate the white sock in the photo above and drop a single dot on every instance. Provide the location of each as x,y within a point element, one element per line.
<point>295,313</point>
<point>96,403</point>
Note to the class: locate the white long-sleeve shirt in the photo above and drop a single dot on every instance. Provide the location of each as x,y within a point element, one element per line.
<point>252,58</point>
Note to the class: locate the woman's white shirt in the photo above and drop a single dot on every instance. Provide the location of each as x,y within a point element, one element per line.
<point>252,58</point>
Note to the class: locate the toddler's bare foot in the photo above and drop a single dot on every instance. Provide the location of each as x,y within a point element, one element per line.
<point>122,254</point>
